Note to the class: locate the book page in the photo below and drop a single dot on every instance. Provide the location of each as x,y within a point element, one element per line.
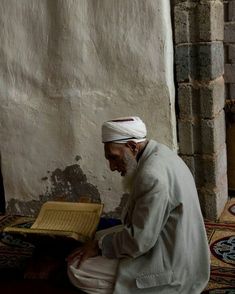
<point>81,218</point>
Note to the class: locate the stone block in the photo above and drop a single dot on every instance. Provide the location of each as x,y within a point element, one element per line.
<point>226,53</point>
<point>211,60</point>
<point>199,21</point>
<point>210,169</point>
<point>185,137</point>
<point>212,134</point>
<point>184,18</point>
<point>210,20</point>
<point>201,100</point>
<point>231,10</point>
<point>229,32</point>
<point>231,53</point>
<point>231,91</point>
<point>175,2</point>
<point>184,59</point>
<point>202,62</point>
<point>190,140</point>
<point>187,101</point>
<point>201,136</point>
<point>213,200</point>
<point>229,73</point>
<point>212,98</point>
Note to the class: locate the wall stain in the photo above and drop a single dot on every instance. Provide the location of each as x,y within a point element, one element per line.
<point>69,184</point>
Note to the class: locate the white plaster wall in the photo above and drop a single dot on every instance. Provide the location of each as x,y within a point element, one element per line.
<point>67,66</point>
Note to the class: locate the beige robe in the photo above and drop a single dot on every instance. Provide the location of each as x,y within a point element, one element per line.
<point>163,247</point>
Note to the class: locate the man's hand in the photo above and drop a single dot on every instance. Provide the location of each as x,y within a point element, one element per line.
<point>90,249</point>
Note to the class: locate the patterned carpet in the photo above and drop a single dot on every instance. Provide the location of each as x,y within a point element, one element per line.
<point>221,236</point>
<point>14,252</point>
<point>17,255</point>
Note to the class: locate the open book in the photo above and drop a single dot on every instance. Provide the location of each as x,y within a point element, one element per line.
<point>78,221</point>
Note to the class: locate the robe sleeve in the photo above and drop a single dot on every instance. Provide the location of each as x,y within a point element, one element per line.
<point>148,218</point>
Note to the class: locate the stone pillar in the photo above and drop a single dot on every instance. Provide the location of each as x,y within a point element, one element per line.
<point>199,57</point>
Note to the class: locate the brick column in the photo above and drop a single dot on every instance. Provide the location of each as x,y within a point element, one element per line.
<point>199,58</point>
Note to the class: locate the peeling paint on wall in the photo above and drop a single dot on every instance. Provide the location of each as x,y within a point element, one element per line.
<point>69,184</point>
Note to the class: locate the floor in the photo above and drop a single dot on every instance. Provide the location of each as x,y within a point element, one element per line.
<point>221,236</point>
<point>35,287</point>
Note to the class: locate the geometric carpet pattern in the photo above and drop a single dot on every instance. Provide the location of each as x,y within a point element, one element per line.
<point>14,253</point>
<point>221,238</point>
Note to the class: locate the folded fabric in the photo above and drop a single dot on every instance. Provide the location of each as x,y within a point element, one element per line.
<point>122,130</point>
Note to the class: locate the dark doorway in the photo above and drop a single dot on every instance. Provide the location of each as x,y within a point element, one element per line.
<point>2,195</point>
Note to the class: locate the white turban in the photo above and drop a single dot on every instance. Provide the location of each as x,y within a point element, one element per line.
<point>124,129</point>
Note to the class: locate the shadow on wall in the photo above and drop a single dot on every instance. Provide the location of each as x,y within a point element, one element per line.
<point>2,195</point>
<point>230,141</point>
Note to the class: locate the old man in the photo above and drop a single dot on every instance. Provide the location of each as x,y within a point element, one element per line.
<point>162,245</point>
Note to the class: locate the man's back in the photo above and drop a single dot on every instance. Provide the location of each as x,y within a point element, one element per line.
<point>166,237</point>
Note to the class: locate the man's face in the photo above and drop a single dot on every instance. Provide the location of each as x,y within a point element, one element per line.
<point>120,157</point>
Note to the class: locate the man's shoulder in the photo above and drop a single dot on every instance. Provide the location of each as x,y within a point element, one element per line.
<point>158,150</point>
<point>158,159</point>
<point>153,160</point>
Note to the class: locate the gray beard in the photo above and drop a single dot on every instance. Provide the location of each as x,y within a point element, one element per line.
<point>127,183</point>
<point>129,178</point>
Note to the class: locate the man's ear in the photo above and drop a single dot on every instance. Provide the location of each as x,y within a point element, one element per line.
<point>132,146</point>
